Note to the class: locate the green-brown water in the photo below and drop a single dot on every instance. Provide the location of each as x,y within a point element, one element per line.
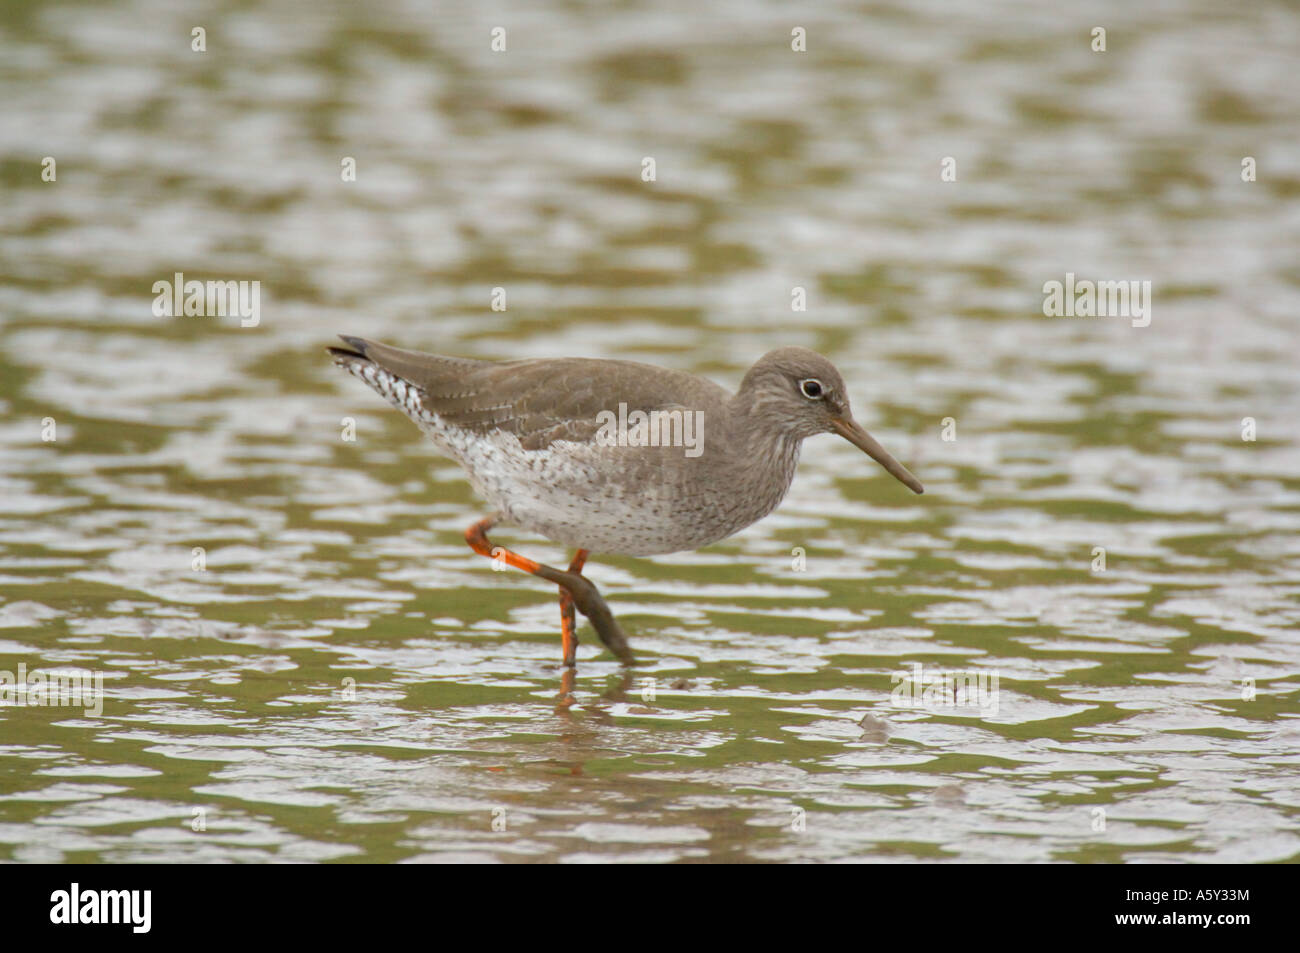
<point>329,560</point>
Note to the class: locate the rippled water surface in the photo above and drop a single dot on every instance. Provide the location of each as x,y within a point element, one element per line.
<point>345,681</point>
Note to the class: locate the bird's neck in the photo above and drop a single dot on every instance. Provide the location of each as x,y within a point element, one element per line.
<point>765,454</point>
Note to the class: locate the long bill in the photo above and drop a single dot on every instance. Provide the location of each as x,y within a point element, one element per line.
<point>854,434</point>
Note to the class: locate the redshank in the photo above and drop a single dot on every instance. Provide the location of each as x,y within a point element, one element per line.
<point>614,456</point>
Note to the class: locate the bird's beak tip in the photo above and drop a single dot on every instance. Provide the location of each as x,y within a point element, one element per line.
<point>852,431</point>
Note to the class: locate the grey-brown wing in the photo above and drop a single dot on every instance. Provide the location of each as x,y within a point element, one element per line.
<point>572,399</point>
<point>540,401</point>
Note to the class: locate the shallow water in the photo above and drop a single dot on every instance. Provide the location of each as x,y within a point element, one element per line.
<point>345,681</point>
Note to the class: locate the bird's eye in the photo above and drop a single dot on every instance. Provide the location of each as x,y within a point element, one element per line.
<point>811,388</point>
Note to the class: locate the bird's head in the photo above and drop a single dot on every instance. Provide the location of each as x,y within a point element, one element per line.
<point>801,393</point>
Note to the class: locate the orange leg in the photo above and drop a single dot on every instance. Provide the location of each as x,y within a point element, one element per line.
<point>576,592</point>
<point>568,629</point>
<point>476,536</point>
